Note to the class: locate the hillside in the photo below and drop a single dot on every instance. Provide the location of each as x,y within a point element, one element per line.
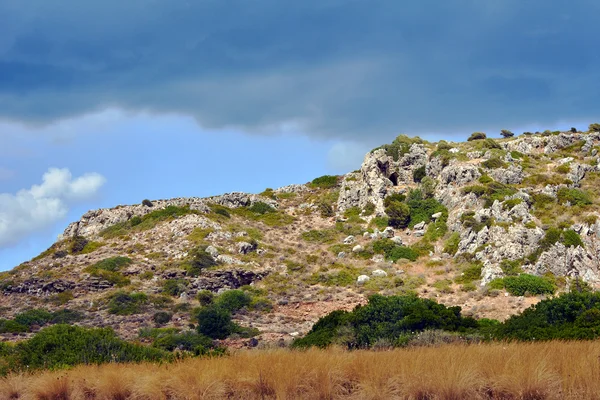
<point>489,225</point>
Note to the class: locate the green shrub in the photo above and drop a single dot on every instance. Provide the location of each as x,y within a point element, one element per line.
<point>325,182</point>
<point>147,203</point>
<point>66,316</point>
<point>380,222</point>
<point>214,322</point>
<point>572,239</point>
<point>261,208</point>
<point>506,133</point>
<point>403,252</point>
<point>113,264</point>
<point>199,260</point>
<point>78,243</point>
<point>421,209</point>
<point>595,127</point>
<point>32,317</point>
<point>319,236</point>
<point>391,318</point>
<point>528,284</point>
<point>11,326</point>
<point>162,318</point>
<point>61,346</point>
<point>122,303</point>
<point>570,316</point>
<point>451,244</point>
<point>222,211</point>
<point>399,214</point>
<point>186,341</point>
<point>511,268</point>
<point>174,287</point>
<point>574,196</point>
<point>477,136</point>
<point>469,274</point>
<point>233,300</point>
<point>149,221</point>
<point>369,209</point>
<point>494,163</point>
<point>419,174</point>
<point>205,297</point>
<point>477,190</point>
<point>400,146</point>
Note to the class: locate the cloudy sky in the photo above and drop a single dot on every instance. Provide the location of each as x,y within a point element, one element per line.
<point>110,102</point>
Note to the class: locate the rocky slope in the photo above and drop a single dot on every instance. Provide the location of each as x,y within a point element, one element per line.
<point>502,207</point>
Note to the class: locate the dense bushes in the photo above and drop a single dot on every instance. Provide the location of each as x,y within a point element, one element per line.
<point>406,212</point>
<point>174,287</point>
<point>569,316</point>
<point>477,136</point>
<point>575,197</point>
<point>109,270</point>
<point>325,182</point>
<point>394,319</point>
<point>122,303</point>
<point>37,317</point>
<point>198,260</point>
<point>398,213</point>
<point>400,146</point>
<point>64,345</point>
<point>394,252</point>
<point>525,284</point>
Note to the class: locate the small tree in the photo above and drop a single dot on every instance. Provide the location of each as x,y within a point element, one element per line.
<point>506,133</point>
<point>573,130</point>
<point>399,214</point>
<point>594,127</point>
<point>477,136</point>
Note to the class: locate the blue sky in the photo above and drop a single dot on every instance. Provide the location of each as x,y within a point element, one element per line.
<point>110,102</point>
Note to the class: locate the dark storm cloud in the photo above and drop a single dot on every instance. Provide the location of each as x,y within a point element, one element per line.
<point>334,68</point>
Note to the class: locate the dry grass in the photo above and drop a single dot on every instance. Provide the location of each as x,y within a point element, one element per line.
<point>533,371</point>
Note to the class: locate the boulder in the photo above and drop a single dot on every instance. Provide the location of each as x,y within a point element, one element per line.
<point>379,273</point>
<point>357,249</point>
<point>349,240</point>
<point>362,279</point>
<point>245,247</point>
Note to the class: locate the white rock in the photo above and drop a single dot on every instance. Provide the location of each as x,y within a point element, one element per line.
<point>349,240</point>
<point>397,240</point>
<point>357,249</point>
<point>341,254</point>
<point>212,250</point>
<point>379,273</point>
<point>388,232</point>
<point>419,226</point>
<point>362,279</point>
<point>436,215</point>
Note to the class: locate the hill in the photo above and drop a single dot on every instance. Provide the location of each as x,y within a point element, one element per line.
<point>489,225</point>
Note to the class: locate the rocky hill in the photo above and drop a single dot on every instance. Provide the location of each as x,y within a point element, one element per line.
<point>489,225</point>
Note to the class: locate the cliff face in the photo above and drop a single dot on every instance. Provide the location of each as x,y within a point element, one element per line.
<point>528,167</point>
<point>478,211</point>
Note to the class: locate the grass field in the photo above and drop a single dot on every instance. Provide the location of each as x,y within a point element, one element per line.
<point>552,370</point>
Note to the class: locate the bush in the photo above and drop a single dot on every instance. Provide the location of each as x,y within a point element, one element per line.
<point>32,317</point>
<point>569,316</point>
<point>404,252</point>
<point>419,174</point>
<point>214,322</point>
<point>572,239</point>
<point>477,136</point>
<point>451,244</point>
<point>325,182</point>
<point>574,196</point>
<point>494,163</point>
<point>399,214</point>
<point>78,243</point>
<point>469,274</point>
<point>477,190</point>
<point>594,127</point>
<point>233,300</point>
<point>66,316</point>
<point>421,209</point>
<point>222,211</point>
<point>528,284</point>
<point>174,287</point>
<point>63,345</point>
<point>112,264</point>
<point>369,209</point>
<point>122,303</point>
<point>400,146</point>
<point>199,260</point>
<point>147,203</point>
<point>162,318</point>
<point>205,297</point>
<point>506,133</point>
<point>392,318</point>
<point>261,208</point>
<point>187,341</point>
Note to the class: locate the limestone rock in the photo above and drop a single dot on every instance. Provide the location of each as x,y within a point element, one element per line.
<point>362,279</point>
<point>349,240</point>
<point>379,273</point>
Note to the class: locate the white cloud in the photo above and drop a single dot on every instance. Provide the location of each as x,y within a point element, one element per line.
<point>37,208</point>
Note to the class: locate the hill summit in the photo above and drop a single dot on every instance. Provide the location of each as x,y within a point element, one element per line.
<point>491,225</point>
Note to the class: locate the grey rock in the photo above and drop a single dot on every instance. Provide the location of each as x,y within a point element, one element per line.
<point>436,215</point>
<point>379,273</point>
<point>212,251</point>
<point>362,279</point>
<point>341,254</point>
<point>397,240</point>
<point>420,225</point>
<point>357,249</point>
<point>349,240</point>
<point>245,247</point>
<point>388,232</point>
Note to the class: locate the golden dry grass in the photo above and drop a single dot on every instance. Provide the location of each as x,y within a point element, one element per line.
<point>533,371</point>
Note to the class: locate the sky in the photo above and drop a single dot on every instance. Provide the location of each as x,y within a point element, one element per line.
<point>111,102</point>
